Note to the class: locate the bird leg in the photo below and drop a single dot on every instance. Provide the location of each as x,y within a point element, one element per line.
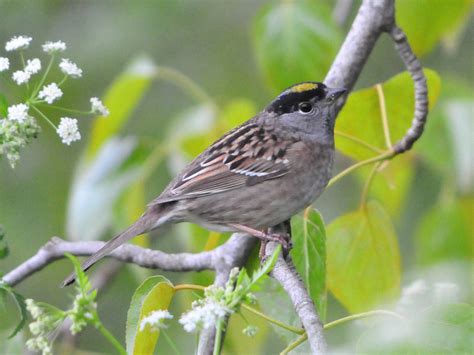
<point>265,237</point>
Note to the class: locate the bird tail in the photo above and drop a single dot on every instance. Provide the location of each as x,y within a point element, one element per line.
<point>146,223</point>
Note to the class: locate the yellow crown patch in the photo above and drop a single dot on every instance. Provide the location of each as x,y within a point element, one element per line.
<point>304,87</point>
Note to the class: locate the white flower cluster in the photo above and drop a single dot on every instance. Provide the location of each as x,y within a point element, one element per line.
<point>68,130</point>
<point>156,320</point>
<point>43,325</point>
<point>218,303</point>
<point>53,47</point>
<point>17,43</point>
<point>50,93</point>
<point>4,64</point>
<point>37,95</point>
<point>203,315</point>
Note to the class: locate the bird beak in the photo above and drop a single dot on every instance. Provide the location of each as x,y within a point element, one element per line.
<point>335,93</point>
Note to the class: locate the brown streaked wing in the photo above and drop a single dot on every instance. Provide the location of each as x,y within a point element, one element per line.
<point>244,157</point>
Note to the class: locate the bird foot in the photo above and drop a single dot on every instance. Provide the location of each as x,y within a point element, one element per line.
<point>282,239</point>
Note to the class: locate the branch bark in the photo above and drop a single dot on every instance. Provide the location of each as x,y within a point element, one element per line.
<point>374,17</point>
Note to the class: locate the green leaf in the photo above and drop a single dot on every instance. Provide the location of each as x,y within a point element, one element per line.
<point>82,285</point>
<point>295,41</point>
<point>309,255</point>
<point>129,208</point>
<point>19,300</point>
<point>445,232</point>
<point>363,258</point>
<point>266,267</point>
<point>99,183</point>
<point>121,99</point>
<point>3,106</point>
<point>426,21</point>
<point>155,293</point>
<point>21,305</point>
<point>361,117</point>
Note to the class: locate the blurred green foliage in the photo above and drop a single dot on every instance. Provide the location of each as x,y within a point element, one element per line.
<point>419,213</point>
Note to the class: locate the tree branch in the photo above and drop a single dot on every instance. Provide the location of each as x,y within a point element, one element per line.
<point>232,253</point>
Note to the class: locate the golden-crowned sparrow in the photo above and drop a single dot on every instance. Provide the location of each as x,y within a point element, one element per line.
<point>256,176</point>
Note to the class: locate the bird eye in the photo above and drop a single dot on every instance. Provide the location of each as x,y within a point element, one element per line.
<point>305,107</point>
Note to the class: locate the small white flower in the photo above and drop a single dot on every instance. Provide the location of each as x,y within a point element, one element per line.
<point>17,42</point>
<point>203,316</point>
<point>50,93</point>
<point>68,130</point>
<point>4,64</point>
<point>33,66</point>
<point>156,320</point>
<point>18,113</point>
<point>21,77</point>
<point>33,308</point>
<point>98,106</point>
<point>70,68</point>
<point>51,47</point>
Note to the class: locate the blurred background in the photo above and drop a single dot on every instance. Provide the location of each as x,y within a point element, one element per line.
<point>218,45</point>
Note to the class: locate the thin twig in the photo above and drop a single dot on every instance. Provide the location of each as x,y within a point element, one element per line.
<point>415,69</point>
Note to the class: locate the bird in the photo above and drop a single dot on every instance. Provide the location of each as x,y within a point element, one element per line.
<point>254,177</point>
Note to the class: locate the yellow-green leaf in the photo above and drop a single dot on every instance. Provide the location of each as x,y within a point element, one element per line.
<point>130,207</point>
<point>155,293</point>
<point>121,99</point>
<point>309,255</point>
<point>426,21</point>
<point>361,116</point>
<point>363,258</point>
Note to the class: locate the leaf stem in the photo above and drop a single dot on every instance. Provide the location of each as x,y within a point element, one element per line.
<point>272,320</point>
<point>44,116</point>
<point>383,115</point>
<point>110,337</point>
<point>385,156</point>
<point>38,87</point>
<point>358,141</point>
<point>368,183</point>
<point>293,345</point>
<point>66,109</point>
<point>24,67</point>
<point>218,339</point>
<point>185,83</point>
<point>377,312</point>
<point>188,287</point>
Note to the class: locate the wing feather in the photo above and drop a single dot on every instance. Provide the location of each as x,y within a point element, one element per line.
<point>246,156</point>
